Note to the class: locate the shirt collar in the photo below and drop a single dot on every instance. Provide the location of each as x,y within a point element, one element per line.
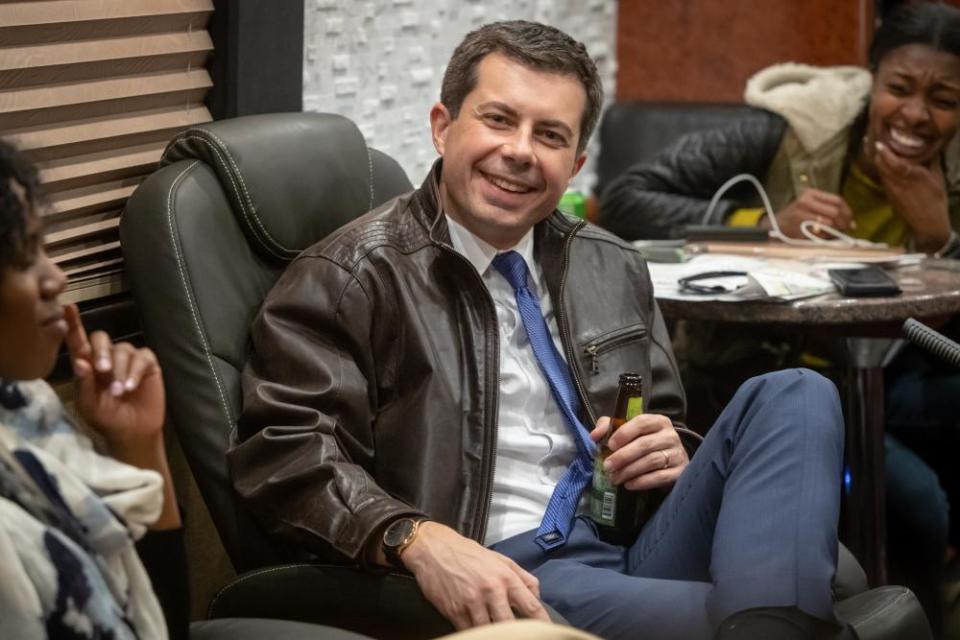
<point>480,253</point>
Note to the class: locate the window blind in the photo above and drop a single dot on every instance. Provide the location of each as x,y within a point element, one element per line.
<point>91,92</point>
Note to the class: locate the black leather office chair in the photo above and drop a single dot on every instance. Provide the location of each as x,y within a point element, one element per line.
<point>633,132</point>
<point>204,239</point>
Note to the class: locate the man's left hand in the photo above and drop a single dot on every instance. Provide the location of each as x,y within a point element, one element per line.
<point>647,452</point>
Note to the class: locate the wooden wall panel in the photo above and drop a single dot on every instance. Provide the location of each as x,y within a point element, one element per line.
<point>92,91</point>
<point>704,50</point>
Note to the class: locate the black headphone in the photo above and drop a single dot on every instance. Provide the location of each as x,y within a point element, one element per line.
<point>690,284</point>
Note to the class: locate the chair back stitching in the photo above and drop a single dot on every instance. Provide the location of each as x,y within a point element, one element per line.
<point>248,216</point>
<point>246,201</point>
<point>369,176</point>
<point>243,185</point>
<point>190,299</point>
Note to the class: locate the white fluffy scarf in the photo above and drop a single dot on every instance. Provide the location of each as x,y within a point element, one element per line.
<point>84,580</point>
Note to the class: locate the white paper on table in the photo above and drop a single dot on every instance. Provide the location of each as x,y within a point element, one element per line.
<point>767,279</point>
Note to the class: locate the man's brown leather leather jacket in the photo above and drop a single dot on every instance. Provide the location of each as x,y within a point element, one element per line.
<point>373,389</point>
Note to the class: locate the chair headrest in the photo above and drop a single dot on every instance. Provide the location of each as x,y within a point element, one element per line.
<point>291,178</point>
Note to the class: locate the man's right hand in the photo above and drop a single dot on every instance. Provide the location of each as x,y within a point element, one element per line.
<point>468,583</point>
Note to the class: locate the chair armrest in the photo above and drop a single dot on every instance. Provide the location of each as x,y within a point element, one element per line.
<point>850,578</point>
<point>690,439</point>
<point>258,629</point>
<point>378,605</point>
<point>885,613</point>
<point>336,595</point>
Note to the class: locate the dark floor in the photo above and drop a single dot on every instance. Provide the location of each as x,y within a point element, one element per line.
<point>951,593</point>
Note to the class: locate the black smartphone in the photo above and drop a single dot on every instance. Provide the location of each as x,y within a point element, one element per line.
<point>864,281</point>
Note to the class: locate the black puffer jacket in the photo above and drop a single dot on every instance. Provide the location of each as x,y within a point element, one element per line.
<point>657,199</point>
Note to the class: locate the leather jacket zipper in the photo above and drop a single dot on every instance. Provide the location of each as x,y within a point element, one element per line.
<point>613,339</point>
<point>565,330</point>
<point>491,453</point>
<point>481,532</point>
<point>492,463</point>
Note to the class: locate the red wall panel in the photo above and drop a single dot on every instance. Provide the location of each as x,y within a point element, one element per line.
<point>704,50</point>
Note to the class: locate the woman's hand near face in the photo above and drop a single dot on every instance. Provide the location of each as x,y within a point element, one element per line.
<point>918,194</point>
<point>119,393</point>
<point>816,206</point>
<point>119,387</point>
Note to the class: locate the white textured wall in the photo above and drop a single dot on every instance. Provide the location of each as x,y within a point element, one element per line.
<point>380,62</point>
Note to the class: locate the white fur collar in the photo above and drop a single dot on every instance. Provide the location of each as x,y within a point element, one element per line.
<point>817,102</point>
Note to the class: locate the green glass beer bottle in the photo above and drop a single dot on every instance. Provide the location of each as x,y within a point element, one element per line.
<point>618,512</point>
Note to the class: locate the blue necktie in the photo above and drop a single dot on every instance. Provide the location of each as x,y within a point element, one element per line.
<point>558,517</point>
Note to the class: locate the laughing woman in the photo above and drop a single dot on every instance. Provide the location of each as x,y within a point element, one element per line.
<point>874,154</point>
<point>868,153</point>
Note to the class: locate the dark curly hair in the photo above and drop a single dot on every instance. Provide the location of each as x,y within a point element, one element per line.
<point>14,168</point>
<point>928,23</point>
<point>933,24</point>
<point>534,45</point>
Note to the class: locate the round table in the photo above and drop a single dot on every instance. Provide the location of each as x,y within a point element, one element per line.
<point>930,289</point>
<point>868,326</point>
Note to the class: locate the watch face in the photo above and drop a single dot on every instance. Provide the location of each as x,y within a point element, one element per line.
<point>398,532</point>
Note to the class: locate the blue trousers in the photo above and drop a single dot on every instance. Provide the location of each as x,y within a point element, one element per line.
<point>751,522</point>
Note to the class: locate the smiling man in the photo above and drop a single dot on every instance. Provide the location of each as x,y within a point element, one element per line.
<point>427,382</point>
<point>511,155</point>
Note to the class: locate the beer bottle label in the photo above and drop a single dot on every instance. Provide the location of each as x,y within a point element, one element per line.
<point>634,407</point>
<point>603,494</point>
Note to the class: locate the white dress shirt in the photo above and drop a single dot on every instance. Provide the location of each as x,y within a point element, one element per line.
<point>534,444</point>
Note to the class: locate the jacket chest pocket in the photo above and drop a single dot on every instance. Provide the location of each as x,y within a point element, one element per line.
<point>610,341</point>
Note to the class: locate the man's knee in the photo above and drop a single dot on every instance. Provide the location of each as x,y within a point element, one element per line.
<point>793,380</point>
<point>802,384</point>
<point>793,395</point>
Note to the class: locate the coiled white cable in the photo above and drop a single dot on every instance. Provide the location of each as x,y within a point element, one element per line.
<point>808,227</point>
